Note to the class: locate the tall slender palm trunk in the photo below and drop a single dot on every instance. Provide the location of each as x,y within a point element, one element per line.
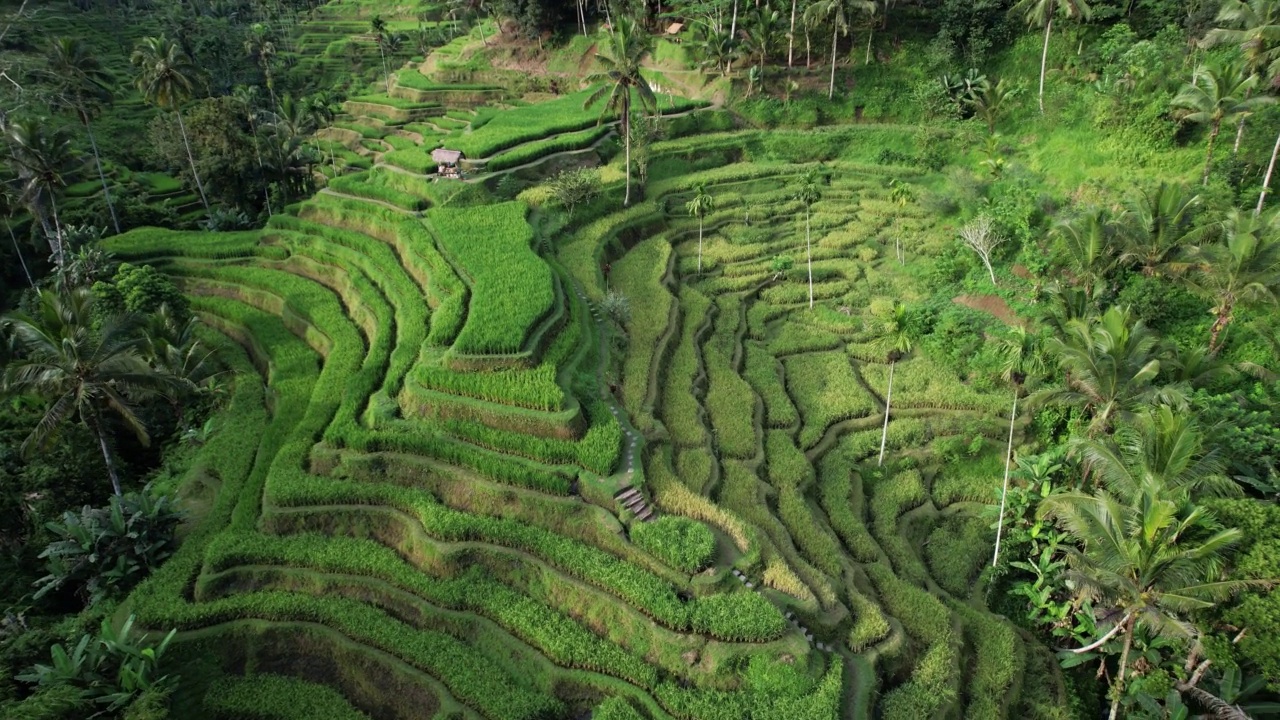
<point>106,191</point>
<point>1208,156</point>
<point>808,255</point>
<point>257,151</point>
<point>888,399</point>
<point>831,89</point>
<point>699,243</point>
<point>106,455</point>
<point>56,240</point>
<point>1004,491</point>
<point>626,132</point>
<point>192,160</point>
<point>733,24</point>
<point>1266,181</point>
<point>1044,61</point>
<point>870,33</point>
<point>791,35</point>
<point>17,249</point>
<point>1118,686</point>
<point>386,74</point>
<point>1219,324</point>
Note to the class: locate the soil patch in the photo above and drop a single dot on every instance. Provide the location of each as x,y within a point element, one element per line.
<point>993,304</point>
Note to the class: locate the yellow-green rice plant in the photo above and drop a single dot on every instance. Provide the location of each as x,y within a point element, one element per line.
<point>785,465</point>
<point>730,405</point>
<point>511,287</point>
<point>679,409</point>
<point>843,506</point>
<point>826,391</point>
<point>869,623</point>
<point>638,276</point>
<point>760,370</point>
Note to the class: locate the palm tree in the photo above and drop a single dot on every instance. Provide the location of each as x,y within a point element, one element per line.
<point>1160,446</point>
<point>1159,224</point>
<point>1143,549</point>
<point>80,371</point>
<point>1242,268</point>
<point>1254,27</point>
<point>898,342</point>
<point>988,99</point>
<point>167,78</point>
<point>246,96</point>
<point>1039,13</point>
<point>259,46</point>
<point>379,28</point>
<point>620,77</point>
<point>835,13</point>
<point>762,33</point>
<point>808,194</point>
<point>1110,364</point>
<point>44,158</point>
<point>82,83</point>
<point>1219,91</point>
<point>699,206</point>
<point>1090,240</point>
<point>716,49</point>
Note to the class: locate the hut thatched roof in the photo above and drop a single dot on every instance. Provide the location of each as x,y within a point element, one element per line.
<point>446,157</point>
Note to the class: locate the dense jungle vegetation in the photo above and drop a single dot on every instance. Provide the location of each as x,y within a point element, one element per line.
<point>772,359</point>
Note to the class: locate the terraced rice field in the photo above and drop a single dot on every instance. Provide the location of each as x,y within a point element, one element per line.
<point>425,495</point>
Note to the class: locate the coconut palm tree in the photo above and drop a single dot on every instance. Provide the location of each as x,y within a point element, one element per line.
<point>1143,549</point>
<point>260,47</point>
<point>82,84</point>
<point>835,13</point>
<point>1110,365</point>
<point>699,206</point>
<point>809,193</point>
<point>80,371</point>
<point>167,78</point>
<point>898,343</point>
<point>987,99</point>
<point>379,28</point>
<point>1254,27</point>
<point>762,32</point>
<point>44,159</point>
<point>1039,13</point>
<point>1090,240</point>
<point>1219,91</point>
<point>620,78</point>
<point>1243,267</point>
<point>1158,224</point>
<point>1160,446</point>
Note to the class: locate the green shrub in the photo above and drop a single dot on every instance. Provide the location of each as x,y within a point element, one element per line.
<point>103,552</point>
<point>684,544</point>
<point>615,708</point>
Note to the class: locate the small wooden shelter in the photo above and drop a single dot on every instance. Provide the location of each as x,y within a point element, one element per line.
<point>447,162</point>
<point>673,31</point>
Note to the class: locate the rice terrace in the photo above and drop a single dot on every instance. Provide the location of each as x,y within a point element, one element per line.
<point>629,360</point>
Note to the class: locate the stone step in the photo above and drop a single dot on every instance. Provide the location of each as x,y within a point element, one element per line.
<point>626,495</point>
<point>646,516</point>
<point>634,502</point>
